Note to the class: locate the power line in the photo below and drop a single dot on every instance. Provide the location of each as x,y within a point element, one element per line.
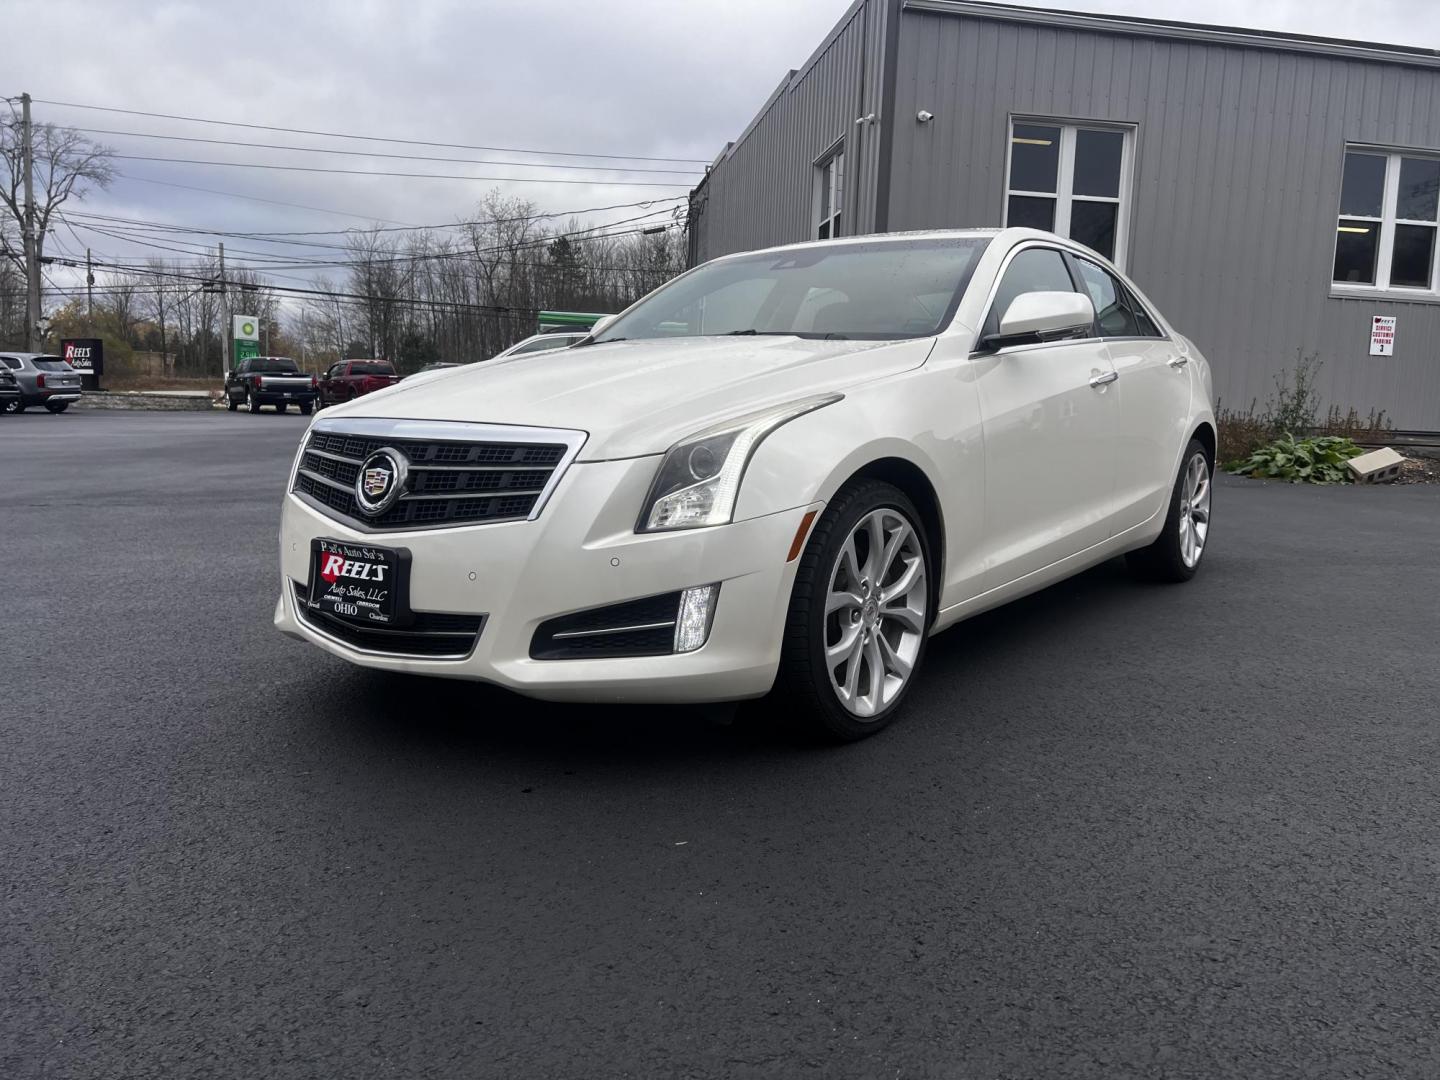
<point>257,198</point>
<point>406,175</point>
<point>263,235</point>
<point>378,154</point>
<point>593,232</point>
<point>371,138</point>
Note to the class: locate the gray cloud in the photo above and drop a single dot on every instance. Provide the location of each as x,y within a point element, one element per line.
<point>656,77</point>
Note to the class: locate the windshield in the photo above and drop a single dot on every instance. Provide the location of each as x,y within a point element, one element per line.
<point>877,291</point>
<point>273,367</point>
<point>50,363</point>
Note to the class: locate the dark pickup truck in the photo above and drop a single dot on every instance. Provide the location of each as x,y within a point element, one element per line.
<point>270,380</point>
<point>350,379</point>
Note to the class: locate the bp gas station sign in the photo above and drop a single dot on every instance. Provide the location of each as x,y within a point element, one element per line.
<point>246,334</point>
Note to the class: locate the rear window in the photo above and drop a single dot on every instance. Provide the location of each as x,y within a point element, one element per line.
<point>273,367</point>
<point>50,363</point>
<point>371,369</point>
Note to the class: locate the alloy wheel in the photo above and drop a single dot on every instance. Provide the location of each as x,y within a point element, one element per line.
<point>875,612</point>
<point>1194,510</point>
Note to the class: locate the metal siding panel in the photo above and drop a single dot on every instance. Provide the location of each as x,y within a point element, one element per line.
<point>1238,161</point>
<point>1237,181</point>
<point>761,192</point>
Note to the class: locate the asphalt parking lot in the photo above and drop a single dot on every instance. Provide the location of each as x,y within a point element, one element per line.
<point>1124,831</point>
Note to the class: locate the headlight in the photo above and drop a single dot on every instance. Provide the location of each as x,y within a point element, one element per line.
<point>700,478</point>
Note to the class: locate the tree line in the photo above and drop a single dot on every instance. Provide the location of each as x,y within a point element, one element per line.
<point>413,297</point>
<point>458,295</point>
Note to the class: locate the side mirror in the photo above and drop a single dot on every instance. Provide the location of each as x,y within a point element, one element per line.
<point>1039,316</point>
<point>601,323</point>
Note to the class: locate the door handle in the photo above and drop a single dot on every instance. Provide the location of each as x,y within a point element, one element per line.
<point>1106,379</point>
<point>1179,361</point>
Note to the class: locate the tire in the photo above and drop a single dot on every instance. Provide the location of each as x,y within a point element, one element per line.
<point>56,407</point>
<point>230,402</point>
<point>12,406</point>
<point>250,402</point>
<point>827,699</point>
<point>280,406</point>
<point>306,408</point>
<point>1176,554</point>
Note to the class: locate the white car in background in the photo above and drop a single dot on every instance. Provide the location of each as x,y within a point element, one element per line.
<point>543,343</point>
<point>784,470</point>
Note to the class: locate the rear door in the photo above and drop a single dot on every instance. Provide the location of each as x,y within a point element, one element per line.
<point>1153,391</point>
<point>1049,416</point>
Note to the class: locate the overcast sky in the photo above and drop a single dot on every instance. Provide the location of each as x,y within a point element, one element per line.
<point>660,78</point>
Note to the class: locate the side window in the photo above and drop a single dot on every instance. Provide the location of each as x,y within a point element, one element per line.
<point>829,195</point>
<point>242,368</point>
<point>1033,270</point>
<point>1145,326</point>
<point>1112,314</point>
<point>11,363</point>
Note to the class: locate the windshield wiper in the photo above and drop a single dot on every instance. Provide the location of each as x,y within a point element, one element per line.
<point>761,333</point>
<point>592,341</point>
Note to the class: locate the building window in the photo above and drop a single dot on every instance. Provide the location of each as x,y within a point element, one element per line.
<point>829,189</point>
<point>1388,221</point>
<point>1073,180</point>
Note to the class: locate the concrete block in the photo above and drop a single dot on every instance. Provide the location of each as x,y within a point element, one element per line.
<point>1376,467</point>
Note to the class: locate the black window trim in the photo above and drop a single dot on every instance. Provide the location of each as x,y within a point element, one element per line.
<point>1010,257</point>
<point>1127,297</point>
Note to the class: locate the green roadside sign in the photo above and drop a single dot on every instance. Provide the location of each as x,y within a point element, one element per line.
<point>245,330</point>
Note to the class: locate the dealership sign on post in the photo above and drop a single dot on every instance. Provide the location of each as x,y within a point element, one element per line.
<point>246,332</point>
<point>1382,335</point>
<point>87,356</point>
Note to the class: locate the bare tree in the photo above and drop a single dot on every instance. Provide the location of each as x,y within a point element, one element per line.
<point>67,164</point>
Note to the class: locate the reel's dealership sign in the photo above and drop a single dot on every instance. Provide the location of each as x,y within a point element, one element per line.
<point>246,332</point>
<point>85,355</point>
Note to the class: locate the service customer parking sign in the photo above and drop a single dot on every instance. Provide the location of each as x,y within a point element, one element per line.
<point>1382,335</point>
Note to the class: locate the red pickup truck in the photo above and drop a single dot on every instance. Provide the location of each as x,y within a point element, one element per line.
<point>350,379</point>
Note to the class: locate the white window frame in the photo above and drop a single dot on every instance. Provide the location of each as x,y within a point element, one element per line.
<point>1385,256</point>
<point>827,177</point>
<point>1064,195</point>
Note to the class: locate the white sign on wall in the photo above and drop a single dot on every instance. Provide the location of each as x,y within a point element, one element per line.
<point>1382,335</point>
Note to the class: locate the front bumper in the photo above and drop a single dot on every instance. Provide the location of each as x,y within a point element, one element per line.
<point>580,553</point>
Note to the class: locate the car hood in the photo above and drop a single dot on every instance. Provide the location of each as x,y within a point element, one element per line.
<point>641,397</point>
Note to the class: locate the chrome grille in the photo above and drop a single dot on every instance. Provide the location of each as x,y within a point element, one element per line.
<point>466,474</point>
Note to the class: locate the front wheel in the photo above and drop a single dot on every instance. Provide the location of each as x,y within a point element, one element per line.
<point>305,408</point>
<point>230,402</point>
<point>57,407</point>
<point>1175,556</point>
<point>13,405</point>
<point>859,613</point>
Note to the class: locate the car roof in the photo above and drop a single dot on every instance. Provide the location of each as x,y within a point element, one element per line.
<point>1009,237</point>
<point>876,238</point>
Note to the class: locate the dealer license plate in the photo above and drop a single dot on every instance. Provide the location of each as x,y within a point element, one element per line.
<point>360,583</point>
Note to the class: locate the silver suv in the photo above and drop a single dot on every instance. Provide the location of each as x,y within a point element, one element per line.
<point>43,380</point>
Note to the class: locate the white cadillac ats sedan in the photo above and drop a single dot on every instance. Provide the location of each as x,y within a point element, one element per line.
<point>783,471</point>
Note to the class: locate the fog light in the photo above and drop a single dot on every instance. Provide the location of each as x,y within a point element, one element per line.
<point>692,624</point>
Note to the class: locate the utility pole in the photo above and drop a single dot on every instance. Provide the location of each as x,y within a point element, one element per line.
<point>225,349</point>
<point>89,294</point>
<point>32,242</point>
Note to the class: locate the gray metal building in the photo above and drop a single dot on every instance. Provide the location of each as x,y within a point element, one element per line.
<point>1271,193</point>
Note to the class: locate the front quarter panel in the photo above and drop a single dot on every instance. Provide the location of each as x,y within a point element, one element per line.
<point>927,418</point>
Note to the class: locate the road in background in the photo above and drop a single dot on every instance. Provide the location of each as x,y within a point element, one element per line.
<point>1123,830</point>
